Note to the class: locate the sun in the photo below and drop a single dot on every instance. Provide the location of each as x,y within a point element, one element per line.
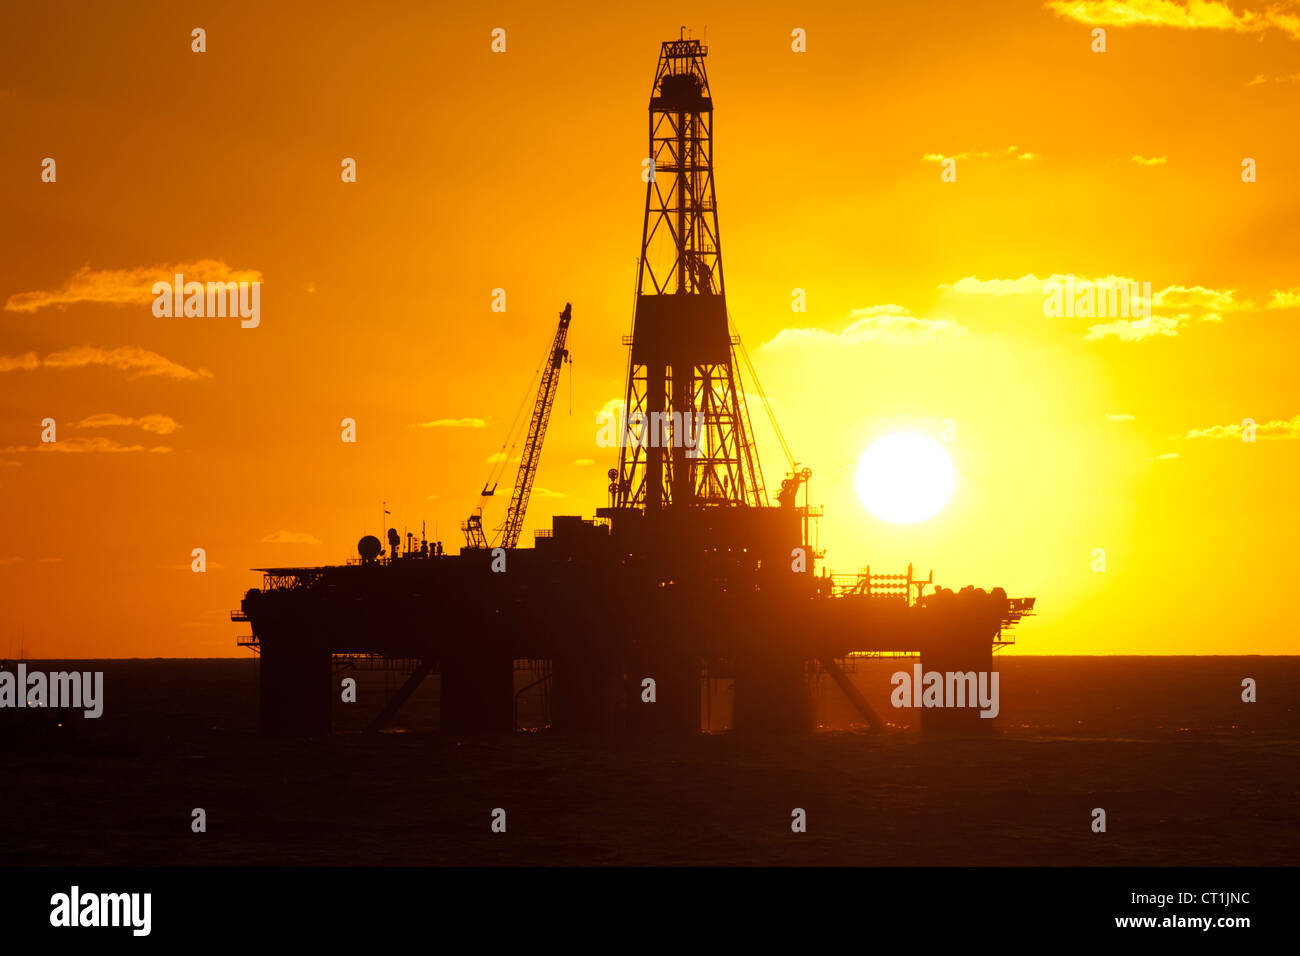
<point>905,478</point>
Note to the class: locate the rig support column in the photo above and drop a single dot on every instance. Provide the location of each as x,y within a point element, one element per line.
<point>295,684</point>
<point>963,654</point>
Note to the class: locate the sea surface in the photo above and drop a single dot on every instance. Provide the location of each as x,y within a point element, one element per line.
<point>1187,773</point>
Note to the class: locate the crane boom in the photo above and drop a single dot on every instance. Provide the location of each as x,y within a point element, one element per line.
<point>536,433</point>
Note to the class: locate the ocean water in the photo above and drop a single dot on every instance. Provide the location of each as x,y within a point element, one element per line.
<point>1186,772</point>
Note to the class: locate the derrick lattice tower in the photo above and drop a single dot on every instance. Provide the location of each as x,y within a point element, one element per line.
<point>690,444</point>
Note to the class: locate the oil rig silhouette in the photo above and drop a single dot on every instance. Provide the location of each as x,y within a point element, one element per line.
<point>690,576</point>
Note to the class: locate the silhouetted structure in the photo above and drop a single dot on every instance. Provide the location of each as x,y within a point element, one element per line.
<point>688,575</point>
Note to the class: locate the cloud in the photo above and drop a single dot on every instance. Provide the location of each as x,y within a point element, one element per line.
<point>1135,330</point>
<point>128,358</point>
<point>1285,299</point>
<point>1149,161</point>
<point>80,446</point>
<point>584,462</point>
<point>1167,456</point>
<point>537,492</point>
<point>125,286</point>
<point>1193,15</point>
<point>983,154</point>
<point>26,361</point>
<point>1201,302</point>
<point>1028,284</point>
<point>884,324</point>
<point>1172,296</point>
<point>453,423</point>
<point>496,457</point>
<point>1278,429</point>
<point>291,537</point>
<point>615,406</point>
<point>1199,297</point>
<point>157,424</point>
<point>1122,417</point>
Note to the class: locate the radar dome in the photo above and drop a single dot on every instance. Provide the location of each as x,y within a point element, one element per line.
<point>369,548</point>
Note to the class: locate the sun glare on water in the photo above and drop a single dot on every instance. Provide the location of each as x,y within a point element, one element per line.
<point>904,478</point>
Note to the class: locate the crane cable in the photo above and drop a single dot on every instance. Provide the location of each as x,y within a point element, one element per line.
<point>762,394</point>
<point>512,436</point>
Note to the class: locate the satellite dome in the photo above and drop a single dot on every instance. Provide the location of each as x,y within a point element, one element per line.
<point>369,548</point>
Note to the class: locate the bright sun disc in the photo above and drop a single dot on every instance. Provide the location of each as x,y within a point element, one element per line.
<point>904,478</point>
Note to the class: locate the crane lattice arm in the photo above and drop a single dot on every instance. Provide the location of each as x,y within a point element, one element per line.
<point>536,432</point>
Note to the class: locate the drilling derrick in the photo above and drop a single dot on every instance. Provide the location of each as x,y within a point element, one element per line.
<point>686,442</point>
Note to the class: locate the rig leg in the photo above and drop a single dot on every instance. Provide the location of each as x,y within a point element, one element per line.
<point>677,707</point>
<point>295,681</point>
<point>962,655</point>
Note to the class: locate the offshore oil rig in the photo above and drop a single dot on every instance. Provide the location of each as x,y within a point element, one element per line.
<point>688,577</point>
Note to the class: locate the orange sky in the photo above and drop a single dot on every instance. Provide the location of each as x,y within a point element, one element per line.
<point>521,170</point>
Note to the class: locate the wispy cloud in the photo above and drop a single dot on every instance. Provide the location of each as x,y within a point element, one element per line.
<point>1135,330</point>
<point>453,423</point>
<point>157,424</point>
<point>1004,153</point>
<point>128,358</point>
<point>1200,298</point>
<point>1278,429</point>
<point>125,286</point>
<point>537,492</point>
<point>1149,160</point>
<point>1171,296</point>
<point>1121,417</point>
<point>1167,456</point>
<point>291,537</point>
<point>1199,302</point>
<point>82,446</point>
<point>1192,15</point>
<point>27,361</point>
<point>886,324</point>
<point>1285,78</point>
<point>1284,299</point>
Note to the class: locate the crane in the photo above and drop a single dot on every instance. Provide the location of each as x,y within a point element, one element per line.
<point>532,454</point>
<point>536,432</point>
